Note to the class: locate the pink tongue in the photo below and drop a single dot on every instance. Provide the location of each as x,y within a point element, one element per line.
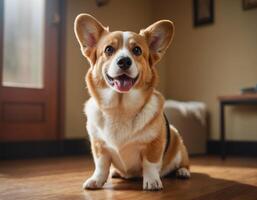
<point>123,85</point>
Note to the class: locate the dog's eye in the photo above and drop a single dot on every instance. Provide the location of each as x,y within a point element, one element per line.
<point>109,50</point>
<point>137,51</point>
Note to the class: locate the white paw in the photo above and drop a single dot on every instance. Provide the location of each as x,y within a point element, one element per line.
<point>183,173</point>
<point>150,183</point>
<point>93,183</point>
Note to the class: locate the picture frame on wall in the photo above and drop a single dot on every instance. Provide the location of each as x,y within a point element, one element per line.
<point>249,4</point>
<point>203,11</point>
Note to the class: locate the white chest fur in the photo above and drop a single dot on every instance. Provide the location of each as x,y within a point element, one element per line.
<point>119,130</point>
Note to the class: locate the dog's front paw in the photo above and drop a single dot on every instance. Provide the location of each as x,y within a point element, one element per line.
<point>152,184</point>
<point>93,184</point>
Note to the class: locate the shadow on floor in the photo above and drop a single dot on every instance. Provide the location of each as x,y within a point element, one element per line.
<point>200,187</point>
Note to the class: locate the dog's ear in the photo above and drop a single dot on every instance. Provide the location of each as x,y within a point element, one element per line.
<point>158,36</point>
<point>88,31</point>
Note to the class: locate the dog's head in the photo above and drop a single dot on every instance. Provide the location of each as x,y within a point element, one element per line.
<point>122,60</point>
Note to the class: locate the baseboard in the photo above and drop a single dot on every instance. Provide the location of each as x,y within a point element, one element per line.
<point>237,148</point>
<point>35,149</point>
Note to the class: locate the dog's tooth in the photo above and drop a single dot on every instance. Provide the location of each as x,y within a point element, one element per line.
<point>118,83</point>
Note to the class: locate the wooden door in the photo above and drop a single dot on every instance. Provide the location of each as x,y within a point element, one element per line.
<point>28,70</point>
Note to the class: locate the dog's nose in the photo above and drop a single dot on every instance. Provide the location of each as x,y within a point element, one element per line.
<point>124,63</point>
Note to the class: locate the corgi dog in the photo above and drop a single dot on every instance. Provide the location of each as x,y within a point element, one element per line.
<point>128,131</point>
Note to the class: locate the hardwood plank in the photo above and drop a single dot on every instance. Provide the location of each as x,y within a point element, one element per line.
<point>62,178</point>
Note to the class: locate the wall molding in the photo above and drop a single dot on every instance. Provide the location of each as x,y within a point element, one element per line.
<point>237,148</point>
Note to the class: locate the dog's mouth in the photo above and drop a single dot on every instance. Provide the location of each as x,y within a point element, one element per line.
<point>122,83</point>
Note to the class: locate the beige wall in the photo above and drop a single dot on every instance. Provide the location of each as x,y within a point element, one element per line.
<point>214,60</point>
<point>118,15</point>
<point>201,64</point>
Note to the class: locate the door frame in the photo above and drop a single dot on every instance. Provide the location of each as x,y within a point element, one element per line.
<point>61,64</point>
<point>61,69</point>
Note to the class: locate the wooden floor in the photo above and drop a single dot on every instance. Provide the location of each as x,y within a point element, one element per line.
<point>62,178</point>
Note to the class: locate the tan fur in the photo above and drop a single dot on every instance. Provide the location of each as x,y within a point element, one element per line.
<point>98,147</point>
<point>128,130</point>
<point>185,159</point>
<point>173,148</point>
<point>154,149</point>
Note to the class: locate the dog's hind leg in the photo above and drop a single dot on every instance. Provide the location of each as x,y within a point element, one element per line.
<point>183,171</point>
